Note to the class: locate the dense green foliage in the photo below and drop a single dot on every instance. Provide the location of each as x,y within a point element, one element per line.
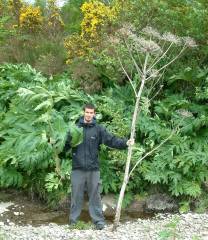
<point>37,109</point>
<point>34,113</point>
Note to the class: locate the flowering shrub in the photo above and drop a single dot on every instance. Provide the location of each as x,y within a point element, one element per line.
<point>76,47</point>
<point>30,18</point>
<point>54,20</point>
<point>96,16</point>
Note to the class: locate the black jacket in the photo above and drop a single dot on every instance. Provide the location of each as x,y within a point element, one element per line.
<point>85,155</point>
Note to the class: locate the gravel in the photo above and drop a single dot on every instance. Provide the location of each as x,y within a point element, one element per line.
<point>190,226</point>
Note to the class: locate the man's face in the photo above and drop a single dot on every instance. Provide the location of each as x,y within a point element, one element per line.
<point>89,114</point>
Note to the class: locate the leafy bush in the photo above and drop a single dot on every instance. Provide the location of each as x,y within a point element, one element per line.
<point>33,128</point>
<point>181,164</point>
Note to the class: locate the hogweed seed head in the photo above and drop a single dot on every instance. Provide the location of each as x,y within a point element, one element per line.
<point>114,40</point>
<point>125,32</point>
<point>147,46</point>
<point>169,37</point>
<point>140,43</point>
<point>189,42</point>
<point>148,40</point>
<point>151,32</point>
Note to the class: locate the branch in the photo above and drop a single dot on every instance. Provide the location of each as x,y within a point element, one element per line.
<point>155,59</point>
<point>138,54</point>
<point>162,56</point>
<point>153,85</point>
<point>166,65</point>
<point>154,149</point>
<point>135,64</point>
<point>145,66</point>
<point>155,94</point>
<point>127,76</point>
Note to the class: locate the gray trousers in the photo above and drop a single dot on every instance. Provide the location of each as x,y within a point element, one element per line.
<point>90,181</point>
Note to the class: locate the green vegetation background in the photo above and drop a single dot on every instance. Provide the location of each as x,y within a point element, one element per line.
<point>41,92</point>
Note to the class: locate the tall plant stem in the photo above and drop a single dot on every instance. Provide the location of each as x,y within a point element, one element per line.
<point>126,175</point>
<point>133,130</point>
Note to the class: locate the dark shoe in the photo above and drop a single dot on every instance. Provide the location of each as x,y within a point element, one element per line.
<point>99,226</point>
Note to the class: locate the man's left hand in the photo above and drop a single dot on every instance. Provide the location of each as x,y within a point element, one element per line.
<point>130,142</point>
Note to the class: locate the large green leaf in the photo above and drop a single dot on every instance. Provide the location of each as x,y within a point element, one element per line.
<point>76,134</point>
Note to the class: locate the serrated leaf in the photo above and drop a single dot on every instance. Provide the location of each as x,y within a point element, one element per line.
<point>45,104</point>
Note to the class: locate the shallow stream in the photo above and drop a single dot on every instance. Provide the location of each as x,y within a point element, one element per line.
<point>17,208</point>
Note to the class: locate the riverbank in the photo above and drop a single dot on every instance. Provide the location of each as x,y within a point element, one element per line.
<point>189,226</point>
<point>23,219</point>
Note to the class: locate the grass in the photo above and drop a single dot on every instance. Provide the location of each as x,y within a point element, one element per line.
<point>80,225</point>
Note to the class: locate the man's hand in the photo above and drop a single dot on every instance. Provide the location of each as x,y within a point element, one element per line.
<point>130,142</point>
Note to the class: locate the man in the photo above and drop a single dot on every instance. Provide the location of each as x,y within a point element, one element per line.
<point>85,166</point>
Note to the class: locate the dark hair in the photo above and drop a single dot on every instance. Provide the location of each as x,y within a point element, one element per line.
<point>89,105</point>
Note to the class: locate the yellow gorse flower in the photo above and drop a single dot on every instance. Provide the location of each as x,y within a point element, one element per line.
<point>31,18</point>
<point>96,15</point>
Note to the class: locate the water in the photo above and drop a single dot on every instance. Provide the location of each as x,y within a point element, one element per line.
<point>21,210</point>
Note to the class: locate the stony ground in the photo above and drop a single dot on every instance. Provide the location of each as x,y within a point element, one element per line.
<point>164,226</point>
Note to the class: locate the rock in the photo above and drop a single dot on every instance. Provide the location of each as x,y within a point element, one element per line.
<point>161,202</point>
<point>109,205</point>
<point>137,206</point>
<point>4,206</point>
<point>18,213</point>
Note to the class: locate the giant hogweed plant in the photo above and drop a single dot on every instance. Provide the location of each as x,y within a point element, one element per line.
<point>180,165</point>
<point>34,127</point>
<point>150,55</point>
